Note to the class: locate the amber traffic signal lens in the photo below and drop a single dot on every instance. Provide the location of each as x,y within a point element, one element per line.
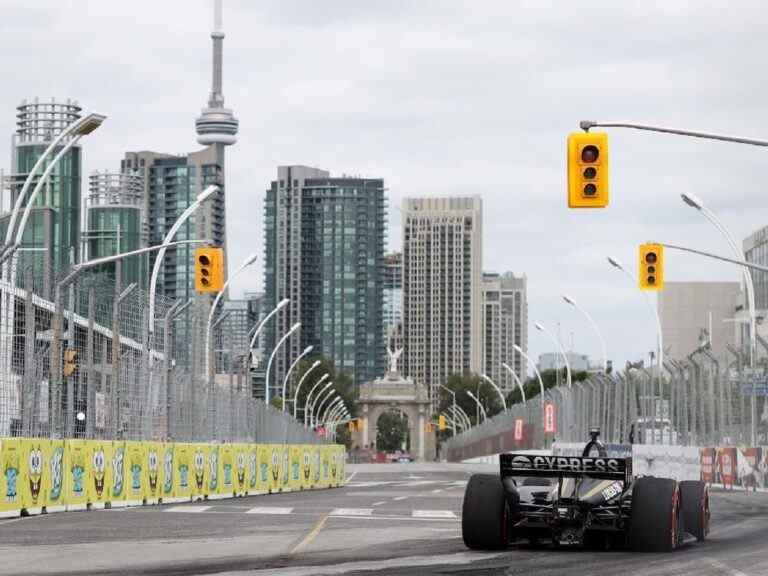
<point>650,258</point>
<point>590,153</point>
<point>651,269</point>
<point>590,190</point>
<point>651,280</point>
<point>204,260</point>
<point>590,173</point>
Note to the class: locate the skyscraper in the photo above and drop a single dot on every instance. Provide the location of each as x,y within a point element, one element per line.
<point>505,324</point>
<point>324,244</point>
<point>393,299</point>
<point>442,297</point>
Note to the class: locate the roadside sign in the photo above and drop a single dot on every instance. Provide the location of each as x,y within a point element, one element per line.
<point>760,388</point>
<point>518,429</point>
<point>549,418</point>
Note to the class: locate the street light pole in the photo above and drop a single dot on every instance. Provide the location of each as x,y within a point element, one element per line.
<point>508,368</point>
<point>535,370</point>
<point>591,320</point>
<point>587,124</point>
<point>272,358</point>
<point>479,405</point>
<point>541,328</point>
<point>306,351</point>
<point>498,390</point>
<point>308,400</point>
<point>451,392</point>
<point>458,410</point>
<point>298,388</point>
<point>321,400</point>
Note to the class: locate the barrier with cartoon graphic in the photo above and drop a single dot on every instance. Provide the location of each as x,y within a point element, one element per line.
<point>41,475</point>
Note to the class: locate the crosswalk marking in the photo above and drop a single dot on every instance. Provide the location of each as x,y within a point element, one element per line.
<point>190,509</point>
<point>351,512</point>
<point>399,497</point>
<point>433,514</point>
<point>269,510</point>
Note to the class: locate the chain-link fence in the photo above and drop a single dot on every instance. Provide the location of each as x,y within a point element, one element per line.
<point>698,401</point>
<point>80,358</point>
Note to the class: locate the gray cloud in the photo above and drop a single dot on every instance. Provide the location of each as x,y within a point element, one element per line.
<point>439,98</point>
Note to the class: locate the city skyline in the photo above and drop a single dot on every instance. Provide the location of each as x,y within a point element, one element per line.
<point>414,104</point>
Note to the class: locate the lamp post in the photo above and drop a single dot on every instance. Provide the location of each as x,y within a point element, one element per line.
<point>695,202</point>
<point>337,402</point>
<point>451,392</point>
<point>318,403</point>
<point>306,351</point>
<point>498,390</point>
<point>532,364</point>
<point>308,400</point>
<point>463,417</point>
<point>202,197</point>
<point>516,379</point>
<point>591,320</point>
<point>541,328</point>
<point>272,358</point>
<point>58,321</point>
<point>298,388</point>
<point>247,262</point>
<point>479,405</point>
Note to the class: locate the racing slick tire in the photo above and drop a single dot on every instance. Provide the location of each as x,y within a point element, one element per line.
<point>484,514</point>
<point>694,499</point>
<point>655,524</point>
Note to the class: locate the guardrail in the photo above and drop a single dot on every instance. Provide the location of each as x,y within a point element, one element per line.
<point>41,475</point>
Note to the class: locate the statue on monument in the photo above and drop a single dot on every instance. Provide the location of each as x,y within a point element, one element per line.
<point>393,357</point>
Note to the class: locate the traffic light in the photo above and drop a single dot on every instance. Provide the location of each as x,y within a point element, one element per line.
<point>70,362</point>
<point>651,267</point>
<point>441,424</point>
<point>209,270</point>
<point>588,170</point>
<point>351,426</point>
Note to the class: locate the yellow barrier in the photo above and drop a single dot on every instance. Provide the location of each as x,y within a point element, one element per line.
<point>39,475</point>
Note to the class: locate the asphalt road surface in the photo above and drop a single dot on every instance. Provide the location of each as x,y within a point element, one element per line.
<point>389,519</point>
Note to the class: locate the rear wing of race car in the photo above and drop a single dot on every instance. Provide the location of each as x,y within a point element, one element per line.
<point>603,468</point>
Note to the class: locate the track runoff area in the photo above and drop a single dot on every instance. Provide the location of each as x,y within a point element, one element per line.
<point>388,519</point>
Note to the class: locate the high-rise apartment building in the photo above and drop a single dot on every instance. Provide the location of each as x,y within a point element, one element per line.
<point>324,244</point>
<point>505,324</point>
<point>442,293</point>
<point>393,299</point>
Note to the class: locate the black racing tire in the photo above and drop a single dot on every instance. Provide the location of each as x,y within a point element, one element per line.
<point>694,500</point>
<point>655,524</point>
<point>484,514</point>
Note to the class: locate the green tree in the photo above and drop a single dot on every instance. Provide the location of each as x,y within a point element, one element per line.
<point>549,378</point>
<point>393,432</point>
<point>461,384</point>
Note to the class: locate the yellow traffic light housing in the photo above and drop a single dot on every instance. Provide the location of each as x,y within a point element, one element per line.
<point>70,362</point>
<point>441,422</point>
<point>588,170</point>
<point>209,270</point>
<point>651,266</point>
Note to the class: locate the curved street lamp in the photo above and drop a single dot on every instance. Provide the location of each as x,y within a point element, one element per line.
<point>541,328</point>
<point>314,419</point>
<point>461,416</point>
<point>309,402</point>
<point>272,358</point>
<point>298,388</point>
<point>498,390</point>
<point>517,380</point>
<point>263,323</point>
<point>591,320</point>
<point>337,403</point>
<point>536,370</point>
<point>295,363</point>
<point>479,405</point>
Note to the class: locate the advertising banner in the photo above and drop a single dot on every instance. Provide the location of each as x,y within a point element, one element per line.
<point>325,467</point>
<point>135,459</point>
<point>10,482</point>
<point>34,472</point>
<point>77,474</point>
<point>748,472</point>
<point>53,482</point>
<point>167,472</point>
<point>152,490</point>
<point>306,467</point>
<point>264,462</point>
<point>199,470</point>
<point>253,473</point>
<point>317,468</point>
<point>336,467</point>
<point>184,477</point>
<point>227,472</point>
<point>240,456</point>
<point>213,462</point>
<point>294,484</point>
<point>707,465</point>
<point>726,466</point>
<point>99,474</point>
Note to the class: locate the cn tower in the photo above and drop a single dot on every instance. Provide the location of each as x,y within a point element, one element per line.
<point>217,124</point>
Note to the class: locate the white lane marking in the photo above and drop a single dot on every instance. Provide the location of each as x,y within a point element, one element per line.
<point>369,484</point>
<point>724,568</point>
<point>351,512</point>
<point>371,565</point>
<point>417,483</point>
<point>399,497</point>
<point>433,514</point>
<point>190,509</point>
<point>412,477</point>
<point>378,503</point>
<point>269,510</point>
<point>437,490</point>
<point>351,476</point>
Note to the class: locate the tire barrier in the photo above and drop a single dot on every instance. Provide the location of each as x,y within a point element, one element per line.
<point>41,475</point>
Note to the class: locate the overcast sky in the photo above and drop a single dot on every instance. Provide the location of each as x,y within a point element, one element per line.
<point>439,98</point>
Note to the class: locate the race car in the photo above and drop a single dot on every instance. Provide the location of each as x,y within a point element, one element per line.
<point>591,501</point>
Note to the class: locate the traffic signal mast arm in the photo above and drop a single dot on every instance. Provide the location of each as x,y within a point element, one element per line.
<point>716,257</point>
<point>587,124</point>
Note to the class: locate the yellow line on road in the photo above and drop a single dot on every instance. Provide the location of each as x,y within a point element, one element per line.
<point>311,536</point>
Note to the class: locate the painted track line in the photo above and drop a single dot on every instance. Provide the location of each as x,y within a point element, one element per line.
<point>309,538</point>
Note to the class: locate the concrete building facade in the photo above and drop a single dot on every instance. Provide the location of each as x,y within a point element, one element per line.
<point>689,311</point>
<point>442,293</point>
<point>505,324</point>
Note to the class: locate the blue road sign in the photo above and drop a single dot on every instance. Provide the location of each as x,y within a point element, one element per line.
<point>760,388</point>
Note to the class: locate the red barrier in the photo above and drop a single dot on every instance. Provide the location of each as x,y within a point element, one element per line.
<point>707,465</point>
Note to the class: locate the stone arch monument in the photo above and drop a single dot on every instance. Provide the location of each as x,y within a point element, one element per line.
<point>393,392</point>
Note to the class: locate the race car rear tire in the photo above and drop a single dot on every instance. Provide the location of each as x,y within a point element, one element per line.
<point>484,514</point>
<point>655,523</point>
<point>694,500</point>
